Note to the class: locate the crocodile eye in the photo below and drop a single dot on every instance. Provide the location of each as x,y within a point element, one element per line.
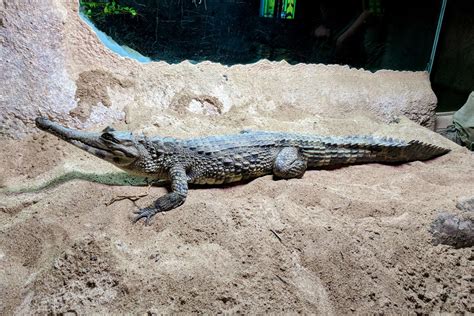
<point>108,136</point>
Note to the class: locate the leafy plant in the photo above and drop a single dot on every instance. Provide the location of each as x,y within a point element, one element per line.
<point>99,10</point>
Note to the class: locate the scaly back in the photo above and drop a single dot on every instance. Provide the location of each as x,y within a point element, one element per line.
<point>321,150</point>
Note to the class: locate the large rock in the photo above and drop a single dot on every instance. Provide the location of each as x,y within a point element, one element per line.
<point>53,65</point>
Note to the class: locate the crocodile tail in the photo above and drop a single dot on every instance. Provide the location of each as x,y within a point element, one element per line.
<point>366,149</point>
<point>397,151</point>
<point>416,150</point>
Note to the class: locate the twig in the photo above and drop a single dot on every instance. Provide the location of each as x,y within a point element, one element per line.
<point>276,235</point>
<point>132,198</point>
<point>281,279</point>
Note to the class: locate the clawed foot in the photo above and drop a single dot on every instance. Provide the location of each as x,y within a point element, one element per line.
<point>147,213</point>
<point>165,203</point>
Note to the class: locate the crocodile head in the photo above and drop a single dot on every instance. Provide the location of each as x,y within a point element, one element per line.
<point>119,148</point>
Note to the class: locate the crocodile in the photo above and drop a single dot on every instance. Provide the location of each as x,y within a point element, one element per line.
<point>215,160</point>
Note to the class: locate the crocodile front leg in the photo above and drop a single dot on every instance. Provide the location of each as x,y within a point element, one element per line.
<point>177,196</point>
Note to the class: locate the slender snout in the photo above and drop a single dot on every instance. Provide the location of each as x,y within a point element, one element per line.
<point>87,141</point>
<point>115,147</point>
<point>42,122</point>
<point>65,133</point>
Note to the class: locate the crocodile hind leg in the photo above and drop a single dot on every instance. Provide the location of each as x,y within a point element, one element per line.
<point>289,164</point>
<point>177,196</point>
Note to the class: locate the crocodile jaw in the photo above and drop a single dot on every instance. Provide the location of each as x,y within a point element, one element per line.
<point>91,142</point>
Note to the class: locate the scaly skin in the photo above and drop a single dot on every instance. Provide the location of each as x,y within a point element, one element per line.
<point>231,158</point>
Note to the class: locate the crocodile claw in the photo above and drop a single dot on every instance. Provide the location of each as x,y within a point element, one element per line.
<point>147,213</point>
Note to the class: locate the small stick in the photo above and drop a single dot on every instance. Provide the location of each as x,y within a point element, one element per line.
<point>132,198</point>
<point>276,235</point>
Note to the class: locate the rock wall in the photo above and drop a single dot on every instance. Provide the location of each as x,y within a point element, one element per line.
<point>53,65</point>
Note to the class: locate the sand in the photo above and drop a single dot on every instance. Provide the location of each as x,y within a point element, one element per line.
<point>353,239</point>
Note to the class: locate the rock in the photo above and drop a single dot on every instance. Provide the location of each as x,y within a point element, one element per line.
<point>466,204</point>
<point>453,230</point>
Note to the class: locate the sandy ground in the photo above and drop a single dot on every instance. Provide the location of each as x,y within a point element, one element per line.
<point>353,239</point>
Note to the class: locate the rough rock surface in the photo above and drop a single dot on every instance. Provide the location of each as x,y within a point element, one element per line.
<point>354,239</point>
<point>455,228</point>
<point>51,60</point>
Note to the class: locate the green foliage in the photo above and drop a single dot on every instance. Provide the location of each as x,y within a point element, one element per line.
<point>99,10</point>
